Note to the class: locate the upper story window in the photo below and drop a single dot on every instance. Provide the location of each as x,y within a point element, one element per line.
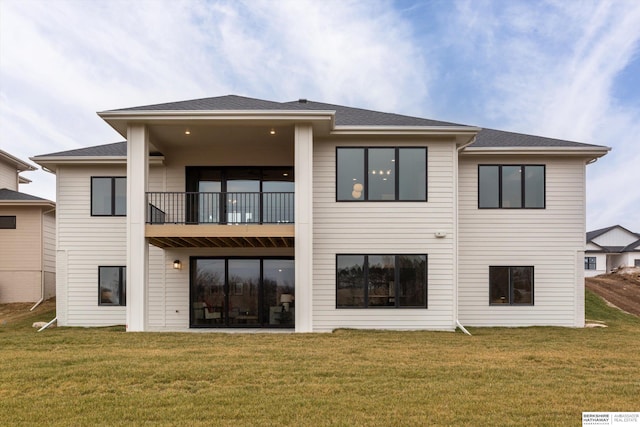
<point>8,222</point>
<point>381,174</point>
<point>511,186</point>
<point>108,196</point>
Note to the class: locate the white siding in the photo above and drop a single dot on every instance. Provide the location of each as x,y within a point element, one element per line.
<point>88,242</point>
<point>551,240</point>
<point>49,253</point>
<point>8,176</point>
<point>384,228</point>
<point>615,237</point>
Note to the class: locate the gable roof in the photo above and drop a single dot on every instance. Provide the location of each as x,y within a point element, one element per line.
<point>595,233</point>
<point>613,249</point>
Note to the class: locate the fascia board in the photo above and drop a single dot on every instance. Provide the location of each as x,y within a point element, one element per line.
<point>23,180</point>
<point>21,166</point>
<point>47,203</point>
<point>48,162</point>
<point>589,152</point>
<point>118,119</point>
<point>406,130</point>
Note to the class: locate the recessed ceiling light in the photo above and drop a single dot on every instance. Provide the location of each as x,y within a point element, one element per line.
<point>187,132</point>
<point>272,131</point>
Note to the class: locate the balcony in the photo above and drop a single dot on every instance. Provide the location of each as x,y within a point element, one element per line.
<point>222,219</point>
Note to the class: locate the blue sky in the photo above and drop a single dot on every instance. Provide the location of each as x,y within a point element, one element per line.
<point>563,69</point>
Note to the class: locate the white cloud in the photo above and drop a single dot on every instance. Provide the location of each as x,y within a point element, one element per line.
<point>62,61</point>
<point>549,69</point>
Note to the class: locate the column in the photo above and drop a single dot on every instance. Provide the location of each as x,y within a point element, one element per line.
<point>304,226</point>
<point>137,245</point>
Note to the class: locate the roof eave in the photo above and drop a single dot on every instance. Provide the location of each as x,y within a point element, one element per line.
<point>49,163</point>
<point>42,203</point>
<point>119,119</point>
<point>593,152</point>
<point>21,165</point>
<point>405,130</point>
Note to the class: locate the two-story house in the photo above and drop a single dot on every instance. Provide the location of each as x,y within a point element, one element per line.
<point>27,237</point>
<point>232,212</point>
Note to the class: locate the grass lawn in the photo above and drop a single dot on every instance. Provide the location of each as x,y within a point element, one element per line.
<point>499,376</point>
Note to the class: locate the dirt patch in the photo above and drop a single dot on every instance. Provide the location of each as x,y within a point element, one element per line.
<point>622,288</point>
<point>15,312</point>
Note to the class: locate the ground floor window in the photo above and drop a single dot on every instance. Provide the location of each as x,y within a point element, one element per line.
<point>241,292</point>
<point>589,263</point>
<point>376,281</point>
<point>511,285</point>
<point>636,262</point>
<point>112,285</point>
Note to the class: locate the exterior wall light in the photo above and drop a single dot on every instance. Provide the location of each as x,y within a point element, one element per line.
<point>177,265</point>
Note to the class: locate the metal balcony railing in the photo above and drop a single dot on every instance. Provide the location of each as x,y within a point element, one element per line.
<point>220,208</point>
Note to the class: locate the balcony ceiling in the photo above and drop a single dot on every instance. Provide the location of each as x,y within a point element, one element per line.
<point>167,136</point>
<point>220,236</point>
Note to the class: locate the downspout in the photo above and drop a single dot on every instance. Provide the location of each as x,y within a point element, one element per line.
<point>42,258</point>
<point>48,324</point>
<point>456,228</point>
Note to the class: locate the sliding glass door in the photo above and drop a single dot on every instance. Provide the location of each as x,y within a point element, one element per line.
<point>239,195</point>
<point>242,292</point>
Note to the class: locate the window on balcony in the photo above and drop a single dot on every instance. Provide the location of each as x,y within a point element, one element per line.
<point>236,195</point>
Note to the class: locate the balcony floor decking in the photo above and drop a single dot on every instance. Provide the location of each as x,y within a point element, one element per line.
<point>221,236</point>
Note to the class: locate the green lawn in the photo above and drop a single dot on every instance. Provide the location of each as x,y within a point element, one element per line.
<point>525,376</point>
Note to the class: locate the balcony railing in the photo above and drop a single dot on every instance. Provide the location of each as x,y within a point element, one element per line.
<point>220,208</point>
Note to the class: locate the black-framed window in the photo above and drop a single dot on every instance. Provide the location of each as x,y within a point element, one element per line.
<point>108,196</point>
<point>636,262</point>
<point>511,186</point>
<point>381,174</point>
<point>112,285</point>
<point>8,222</point>
<point>377,281</point>
<point>510,285</point>
<point>589,263</point>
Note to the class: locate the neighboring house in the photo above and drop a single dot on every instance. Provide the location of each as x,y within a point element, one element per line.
<point>237,212</point>
<point>27,237</point>
<point>610,248</point>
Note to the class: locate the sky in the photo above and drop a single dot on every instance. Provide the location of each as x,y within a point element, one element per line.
<point>561,69</point>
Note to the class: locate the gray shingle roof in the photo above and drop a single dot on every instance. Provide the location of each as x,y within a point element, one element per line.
<point>218,103</point>
<point>10,195</point>
<point>345,116</point>
<point>499,138</point>
<point>117,149</point>
<point>349,116</point>
<point>107,150</point>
